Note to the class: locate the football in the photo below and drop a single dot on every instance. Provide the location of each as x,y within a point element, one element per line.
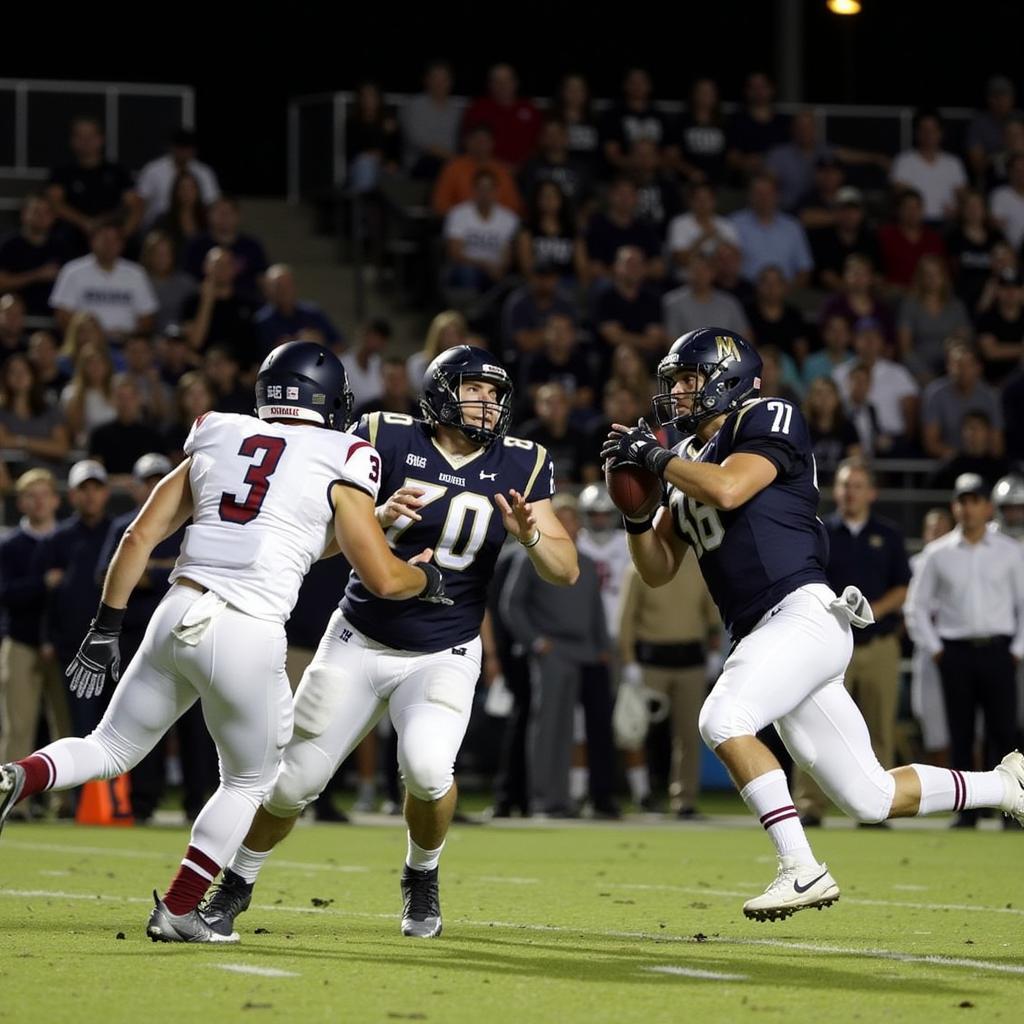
<point>635,490</point>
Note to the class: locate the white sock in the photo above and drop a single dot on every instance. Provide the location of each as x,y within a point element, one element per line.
<point>947,789</point>
<point>247,863</point>
<point>579,783</point>
<point>74,761</point>
<point>422,860</point>
<point>639,780</point>
<point>769,798</point>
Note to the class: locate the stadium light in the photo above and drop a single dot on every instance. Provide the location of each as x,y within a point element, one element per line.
<point>844,6</point>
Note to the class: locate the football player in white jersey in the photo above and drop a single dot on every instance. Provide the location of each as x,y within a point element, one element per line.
<point>267,496</point>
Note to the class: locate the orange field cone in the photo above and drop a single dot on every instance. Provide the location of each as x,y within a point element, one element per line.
<point>105,802</point>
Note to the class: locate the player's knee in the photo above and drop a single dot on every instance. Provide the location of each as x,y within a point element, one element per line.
<point>868,799</point>
<point>426,778</point>
<point>293,788</point>
<point>119,756</point>
<point>722,720</point>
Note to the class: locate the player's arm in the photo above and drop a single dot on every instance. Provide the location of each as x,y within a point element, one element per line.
<point>656,548</point>
<point>362,542</point>
<point>535,525</point>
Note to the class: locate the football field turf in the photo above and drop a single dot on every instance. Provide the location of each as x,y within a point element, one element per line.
<point>589,923</point>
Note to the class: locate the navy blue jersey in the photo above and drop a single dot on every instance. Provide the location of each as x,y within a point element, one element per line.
<point>754,555</point>
<point>460,521</point>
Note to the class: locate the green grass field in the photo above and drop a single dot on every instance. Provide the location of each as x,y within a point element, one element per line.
<point>581,923</point>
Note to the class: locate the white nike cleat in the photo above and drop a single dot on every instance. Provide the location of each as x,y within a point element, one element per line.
<point>1012,770</point>
<point>796,887</point>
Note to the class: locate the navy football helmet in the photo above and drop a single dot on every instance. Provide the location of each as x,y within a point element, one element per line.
<point>441,402</point>
<point>301,380</point>
<point>730,372</point>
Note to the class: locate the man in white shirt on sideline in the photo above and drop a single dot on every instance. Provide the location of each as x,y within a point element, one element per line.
<point>478,237</point>
<point>116,291</point>
<point>156,179</point>
<point>971,581</point>
<point>1007,202</point>
<point>937,175</point>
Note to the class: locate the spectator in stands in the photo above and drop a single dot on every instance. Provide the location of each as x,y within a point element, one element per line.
<point>1013,144</point>
<point>621,402</point>
<point>27,421</point>
<point>91,189</point>
<point>67,561</point>
<point>141,368</point>
<point>970,243</point>
<point>931,317</point>
<point>699,303</point>
<point>29,680</point>
<point>527,310</point>
<point>549,236</point>
<point>159,178</point>
<point>31,259</point>
<point>793,163</point>
<point>171,286</point>
<point>125,439</point>
<point>194,396</point>
<point>1001,329</point>
<point>185,219</point>
<point>83,329</point>
<point>1007,202</point>
<point>633,117</point>
<point>893,392</point>
<point>756,128</point>
<point>1004,258</point>
<point>116,291</point>
<point>372,141</point>
<point>555,163</point>
<point>848,233</point>
<point>221,313</point>
<point>220,365</point>
<point>979,451</point>
<point>906,240</point>
<point>224,232</point>
<point>657,195</point>
<point>561,361</point>
<point>699,230</point>
<point>868,552</point>
<point>572,107</point>
<point>430,124</point>
<point>516,122</point>
<point>775,321</point>
<point>364,363</point>
<point>1013,416</point>
<point>948,400</point>
<point>818,206</point>
<point>857,299</point>
<point>478,237</point>
<point>728,260</point>
<point>938,176</point>
<point>779,375</point>
<point>629,312</point>
<point>13,336</point>
<point>833,436</point>
<point>456,183</point>
<point>286,317</point>
<point>837,334</point>
<point>174,357</point>
<point>395,395</point>
<point>619,226</point>
<point>985,132</point>
<point>43,354</point>
<point>629,370</point>
<point>874,442</point>
<point>446,330</point>
<point>552,428</point>
<point>768,236</point>
<point>698,153</point>
<point>86,399</point>
<point>972,582</point>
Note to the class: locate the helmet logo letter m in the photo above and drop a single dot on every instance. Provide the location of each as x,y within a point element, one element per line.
<point>727,348</point>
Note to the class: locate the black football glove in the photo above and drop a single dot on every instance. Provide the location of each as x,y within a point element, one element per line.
<point>433,592</point>
<point>636,447</point>
<point>98,655</point>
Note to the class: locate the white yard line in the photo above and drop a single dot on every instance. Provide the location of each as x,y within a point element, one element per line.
<point>263,972</point>
<point>696,972</point>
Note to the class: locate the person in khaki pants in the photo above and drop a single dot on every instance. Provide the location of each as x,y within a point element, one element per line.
<point>662,637</point>
<point>870,553</point>
<point>29,672</point>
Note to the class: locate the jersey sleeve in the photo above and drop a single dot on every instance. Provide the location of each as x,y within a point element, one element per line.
<point>361,468</point>
<point>193,442</point>
<point>776,430</point>
<point>540,484</point>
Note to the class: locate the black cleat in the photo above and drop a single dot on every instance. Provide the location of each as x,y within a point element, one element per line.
<point>12,782</point>
<point>163,926</point>
<point>421,915</point>
<point>231,898</point>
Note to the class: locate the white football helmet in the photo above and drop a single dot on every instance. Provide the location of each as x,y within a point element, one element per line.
<point>1008,498</point>
<point>598,512</point>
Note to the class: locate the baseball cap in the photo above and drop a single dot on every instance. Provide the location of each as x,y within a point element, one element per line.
<point>849,196</point>
<point>87,469</point>
<point>969,483</point>
<point>152,464</point>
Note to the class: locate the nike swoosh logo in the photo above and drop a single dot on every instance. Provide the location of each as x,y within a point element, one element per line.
<point>803,888</point>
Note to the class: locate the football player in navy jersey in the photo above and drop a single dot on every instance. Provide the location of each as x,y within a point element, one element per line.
<point>458,485</point>
<point>741,490</point>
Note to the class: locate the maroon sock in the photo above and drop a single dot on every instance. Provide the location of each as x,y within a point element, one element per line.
<point>40,774</point>
<point>189,885</point>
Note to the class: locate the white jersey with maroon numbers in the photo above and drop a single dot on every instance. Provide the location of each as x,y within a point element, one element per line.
<point>610,553</point>
<point>262,507</point>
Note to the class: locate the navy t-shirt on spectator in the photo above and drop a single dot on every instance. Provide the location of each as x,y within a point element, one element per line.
<point>250,262</point>
<point>1013,415</point>
<point>273,327</point>
<point>830,251</point>
<point>750,136</point>
<point>568,453</point>
<point>93,190</point>
<point>18,256</point>
<point>604,239</point>
<point>993,322</point>
<point>633,315</point>
<point>702,146</point>
<point>119,445</point>
<point>625,125</point>
<point>782,333</point>
<point>230,324</point>
<point>22,591</point>
<point>572,375</point>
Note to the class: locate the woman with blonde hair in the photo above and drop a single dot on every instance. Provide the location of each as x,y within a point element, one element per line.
<point>930,316</point>
<point>194,396</point>
<point>630,371</point>
<point>87,399</point>
<point>447,329</point>
<point>83,329</point>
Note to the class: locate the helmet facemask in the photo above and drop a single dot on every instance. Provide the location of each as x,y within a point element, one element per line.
<point>453,408</point>
<point>714,382</point>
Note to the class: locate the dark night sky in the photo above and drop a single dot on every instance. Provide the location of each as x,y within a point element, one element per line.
<point>894,52</point>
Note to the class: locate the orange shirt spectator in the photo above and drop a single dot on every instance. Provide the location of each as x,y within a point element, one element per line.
<point>455,184</point>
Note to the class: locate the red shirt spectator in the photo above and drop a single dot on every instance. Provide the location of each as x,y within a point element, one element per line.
<point>516,122</point>
<point>906,241</point>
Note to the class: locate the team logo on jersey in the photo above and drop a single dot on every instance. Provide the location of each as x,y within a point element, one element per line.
<point>419,461</point>
<point>488,476</point>
<point>727,348</point>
